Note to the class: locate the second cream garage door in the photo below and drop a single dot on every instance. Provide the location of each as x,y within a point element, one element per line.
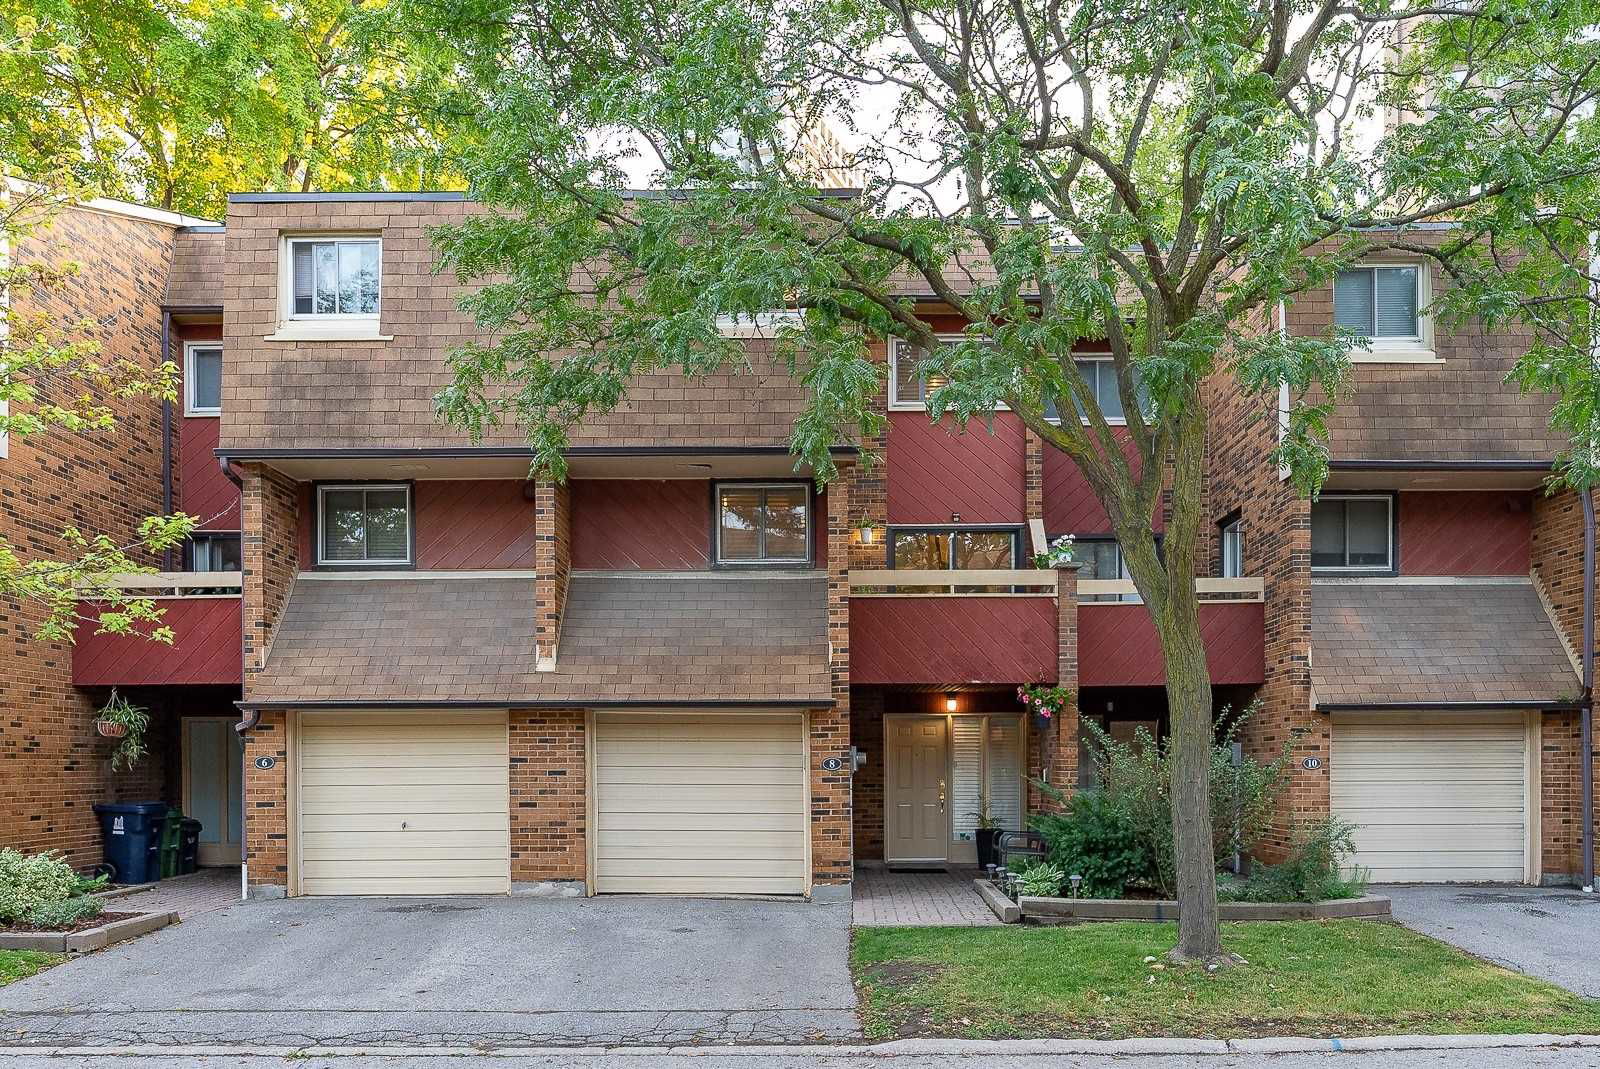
<point>709,804</point>
<point>1436,797</point>
<point>403,803</point>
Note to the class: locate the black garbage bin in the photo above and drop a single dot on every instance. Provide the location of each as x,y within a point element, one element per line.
<point>131,833</point>
<point>189,846</point>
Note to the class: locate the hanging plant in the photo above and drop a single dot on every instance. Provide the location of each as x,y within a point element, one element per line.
<point>121,719</point>
<point>1042,701</point>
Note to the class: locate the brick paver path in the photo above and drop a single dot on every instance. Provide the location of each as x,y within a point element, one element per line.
<point>885,898</point>
<point>199,892</point>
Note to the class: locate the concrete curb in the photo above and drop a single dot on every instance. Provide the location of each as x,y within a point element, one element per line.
<point>1367,907</point>
<point>908,1048</point>
<point>90,938</point>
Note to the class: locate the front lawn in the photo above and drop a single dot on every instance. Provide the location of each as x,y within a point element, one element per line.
<point>21,964</point>
<point>1307,978</point>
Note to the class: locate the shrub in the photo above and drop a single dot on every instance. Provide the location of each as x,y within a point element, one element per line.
<point>88,885</point>
<point>1094,839</point>
<point>63,914</point>
<point>1315,870</point>
<point>1041,880</point>
<point>29,880</point>
<point>1136,779</point>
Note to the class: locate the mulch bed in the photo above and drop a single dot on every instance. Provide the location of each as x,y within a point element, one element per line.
<point>83,925</point>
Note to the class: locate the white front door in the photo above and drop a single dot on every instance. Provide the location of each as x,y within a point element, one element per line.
<point>213,764</point>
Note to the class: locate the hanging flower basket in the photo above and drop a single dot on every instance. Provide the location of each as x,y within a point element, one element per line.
<point>111,729</point>
<point>1045,703</point>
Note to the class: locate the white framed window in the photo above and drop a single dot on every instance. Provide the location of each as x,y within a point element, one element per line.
<point>334,277</point>
<point>1352,533</point>
<point>1230,539</point>
<point>986,765</point>
<point>364,524</point>
<point>202,379</point>
<point>760,325</point>
<point>1385,306</point>
<point>908,391</point>
<point>763,523</point>
<point>1100,372</point>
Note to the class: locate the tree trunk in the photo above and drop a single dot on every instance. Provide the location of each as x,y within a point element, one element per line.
<point>1189,707</point>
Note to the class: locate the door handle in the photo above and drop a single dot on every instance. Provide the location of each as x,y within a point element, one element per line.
<point>403,825</point>
<point>941,796</point>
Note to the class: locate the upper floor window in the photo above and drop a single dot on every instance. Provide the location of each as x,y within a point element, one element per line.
<point>1384,304</point>
<point>1100,372</point>
<point>364,524</point>
<point>1230,539</point>
<point>907,389</point>
<point>763,523</point>
<point>212,552</point>
<point>1352,533</point>
<point>946,548</point>
<point>334,278</point>
<point>1102,559</point>
<point>202,379</point>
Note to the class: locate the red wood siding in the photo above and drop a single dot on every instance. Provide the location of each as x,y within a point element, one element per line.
<point>1465,532</point>
<point>641,524</point>
<point>205,648</point>
<point>473,524</point>
<point>203,490</point>
<point>934,472</point>
<point>1070,506</point>
<point>953,640</point>
<point>1118,647</point>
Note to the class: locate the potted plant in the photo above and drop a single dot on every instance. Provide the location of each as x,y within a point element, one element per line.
<point>1044,702</point>
<point>121,719</point>
<point>987,834</point>
<point>1059,552</point>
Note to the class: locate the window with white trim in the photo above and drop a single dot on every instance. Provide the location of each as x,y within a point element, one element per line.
<point>1383,305</point>
<point>1230,538</point>
<point>1100,373</point>
<point>363,523</point>
<point>907,389</point>
<point>202,379</point>
<point>334,277</point>
<point>1352,533</point>
<point>763,523</point>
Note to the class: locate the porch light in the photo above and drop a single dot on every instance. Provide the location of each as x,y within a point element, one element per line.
<point>866,535</point>
<point>950,703</point>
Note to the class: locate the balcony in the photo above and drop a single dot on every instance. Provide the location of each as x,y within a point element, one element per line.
<point>1001,626</point>
<point>202,608</point>
<point>944,632</point>
<point>1118,647</point>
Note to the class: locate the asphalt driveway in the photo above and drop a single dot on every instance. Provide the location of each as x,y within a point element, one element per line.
<point>1548,932</point>
<point>460,971</point>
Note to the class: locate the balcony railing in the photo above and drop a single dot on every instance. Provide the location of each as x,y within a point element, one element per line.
<point>1248,588</point>
<point>202,608</point>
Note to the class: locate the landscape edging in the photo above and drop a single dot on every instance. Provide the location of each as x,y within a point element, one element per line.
<point>1367,907</point>
<point>82,942</point>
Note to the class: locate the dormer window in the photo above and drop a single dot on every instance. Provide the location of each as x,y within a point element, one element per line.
<point>334,278</point>
<point>1384,305</point>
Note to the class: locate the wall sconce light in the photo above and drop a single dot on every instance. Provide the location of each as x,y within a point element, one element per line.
<point>950,703</point>
<point>866,535</point>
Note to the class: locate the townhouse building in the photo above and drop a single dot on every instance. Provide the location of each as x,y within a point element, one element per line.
<point>687,669</point>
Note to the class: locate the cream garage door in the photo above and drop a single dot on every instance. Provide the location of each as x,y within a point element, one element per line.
<point>403,803</point>
<point>1436,797</point>
<point>700,804</point>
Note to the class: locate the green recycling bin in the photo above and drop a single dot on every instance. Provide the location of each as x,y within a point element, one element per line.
<point>171,842</point>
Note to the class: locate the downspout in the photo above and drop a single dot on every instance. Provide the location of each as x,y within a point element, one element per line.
<point>1586,733</point>
<point>252,717</point>
<point>166,435</point>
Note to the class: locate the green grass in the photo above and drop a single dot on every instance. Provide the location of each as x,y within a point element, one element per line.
<point>21,964</point>
<point>1312,978</point>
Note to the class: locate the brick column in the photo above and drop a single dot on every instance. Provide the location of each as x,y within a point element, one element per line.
<point>553,562</point>
<point>830,728</point>
<point>549,821</point>
<point>1033,478</point>
<point>1055,747</point>
<point>266,807</point>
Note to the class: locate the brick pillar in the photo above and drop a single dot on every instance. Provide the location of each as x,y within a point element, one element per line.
<point>1055,747</point>
<point>549,821</point>
<point>266,807</point>
<point>1033,477</point>
<point>830,728</point>
<point>553,562</point>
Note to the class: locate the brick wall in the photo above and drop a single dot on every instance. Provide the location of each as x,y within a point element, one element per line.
<point>1277,547</point>
<point>549,823</point>
<point>830,728</point>
<point>553,561</point>
<point>266,805</point>
<point>1557,554</point>
<point>270,505</point>
<point>53,767</point>
<point>1054,748</point>
<point>866,796</point>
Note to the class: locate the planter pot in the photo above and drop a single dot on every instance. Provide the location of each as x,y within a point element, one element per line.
<point>988,840</point>
<point>1040,722</point>
<point>111,729</point>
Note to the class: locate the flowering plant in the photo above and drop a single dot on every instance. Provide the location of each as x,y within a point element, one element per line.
<point>1044,701</point>
<point>1060,552</point>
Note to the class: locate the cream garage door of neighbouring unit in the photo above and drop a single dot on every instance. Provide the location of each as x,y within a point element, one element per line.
<point>700,804</point>
<point>1435,797</point>
<point>403,803</point>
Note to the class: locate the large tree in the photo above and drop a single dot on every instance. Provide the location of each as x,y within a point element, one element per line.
<point>1157,174</point>
<point>178,103</point>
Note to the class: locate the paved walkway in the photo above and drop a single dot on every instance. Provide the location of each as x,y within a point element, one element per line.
<point>884,898</point>
<point>188,896</point>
